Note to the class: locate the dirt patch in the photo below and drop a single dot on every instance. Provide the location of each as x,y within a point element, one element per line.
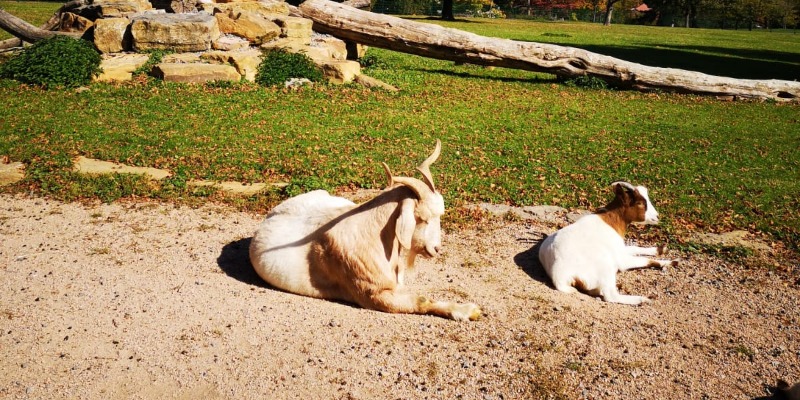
<point>152,300</point>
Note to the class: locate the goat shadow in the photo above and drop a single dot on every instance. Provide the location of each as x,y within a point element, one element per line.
<point>528,260</point>
<point>234,261</point>
<point>777,395</point>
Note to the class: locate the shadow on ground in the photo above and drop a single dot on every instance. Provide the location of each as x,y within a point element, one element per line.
<point>234,260</point>
<point>528,260</point>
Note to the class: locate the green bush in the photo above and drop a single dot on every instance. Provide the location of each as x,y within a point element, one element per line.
<point>56,61</point>
<point>588,82</point>
<point>279,65</point>
<point>371,60</point>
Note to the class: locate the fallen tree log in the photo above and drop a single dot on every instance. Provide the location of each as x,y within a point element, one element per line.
<point>26,32</point>
<point>433,41</point>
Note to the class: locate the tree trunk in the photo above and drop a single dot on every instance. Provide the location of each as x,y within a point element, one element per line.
<point>433,41</point>
<point>447,10</point>
<point>25,31</point>
<point>609,12</point>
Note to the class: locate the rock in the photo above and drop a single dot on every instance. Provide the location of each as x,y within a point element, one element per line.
<point>265,8</point>
<point>574,216</point>
<point>495,209</point>
<point>74,23</point>
<point>333,48</point>
<point>296,83</point>
<point>179,58</point>
<point>90,166</point>
<point>730,239</point>
<point>294,45</point>
<point>111,35</point>
<point>11,172</point>
<point>370,82</point>
<point>118,8</point>
<point>246,62</point>
<point>195,72</point>
<point>175,6</point>
<point>178,32</point>
<point>236,188</point>
<point>340,71</point>
<point>251,26</point>
<point>120,67</point>
<point>544,213</point>
<point>230,43</point>
<point>294,27</point>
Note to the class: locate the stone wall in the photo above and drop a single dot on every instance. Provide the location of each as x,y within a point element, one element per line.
<point>219,41</point>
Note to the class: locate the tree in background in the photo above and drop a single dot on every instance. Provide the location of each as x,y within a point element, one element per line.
<point>609,11</point>
<point>447,10</point>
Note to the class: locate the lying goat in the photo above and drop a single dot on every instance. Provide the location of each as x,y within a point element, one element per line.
<point>588,253</point>
<point>328,247</point>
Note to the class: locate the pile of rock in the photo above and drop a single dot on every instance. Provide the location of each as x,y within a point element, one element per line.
<point>211,41</point>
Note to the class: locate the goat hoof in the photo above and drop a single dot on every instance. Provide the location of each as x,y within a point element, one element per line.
<point>645,300</point>
<point>673,263</point>
<point>466,312</point>
<point>661,249</point>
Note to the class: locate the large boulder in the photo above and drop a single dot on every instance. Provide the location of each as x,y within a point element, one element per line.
<point>195,72</point>
<point>248,25</point>
<point>111,35</point>
<point>177,32</point>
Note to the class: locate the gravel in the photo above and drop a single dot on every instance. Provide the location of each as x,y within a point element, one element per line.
<point>150,300</point>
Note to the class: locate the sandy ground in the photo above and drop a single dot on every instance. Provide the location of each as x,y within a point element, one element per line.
<point>150,300</point>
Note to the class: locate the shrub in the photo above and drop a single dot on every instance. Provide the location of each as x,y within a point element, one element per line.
<point>279,65</point>
<point>371,60</point>
<point>56,61</point>
<point>586,81</point>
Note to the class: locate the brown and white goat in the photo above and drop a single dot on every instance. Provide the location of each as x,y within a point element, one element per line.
<point>327,247</point>
<point>589,253</point>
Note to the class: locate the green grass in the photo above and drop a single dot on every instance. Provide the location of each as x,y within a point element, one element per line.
<point>759,54</point>
<point>508,136</point>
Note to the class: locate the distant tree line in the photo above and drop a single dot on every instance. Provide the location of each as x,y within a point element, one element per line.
<point>726,14</point>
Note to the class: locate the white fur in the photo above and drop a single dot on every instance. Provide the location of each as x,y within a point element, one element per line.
<point>589,253</point>
<point>328,247</point>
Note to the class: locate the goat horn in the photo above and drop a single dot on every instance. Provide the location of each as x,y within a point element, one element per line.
<point>425,169</point>
<point>388,174</point>
<point>420,188</point>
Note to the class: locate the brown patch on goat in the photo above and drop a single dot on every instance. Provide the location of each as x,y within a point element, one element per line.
<point>653,264</point>
<point>628,206</point>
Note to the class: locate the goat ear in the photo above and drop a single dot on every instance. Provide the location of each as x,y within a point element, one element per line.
<point>406,222</point>
<point>623,188</point>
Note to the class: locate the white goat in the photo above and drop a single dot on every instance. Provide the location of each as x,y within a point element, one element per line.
<point>328,247</point>
<point>589,253</point>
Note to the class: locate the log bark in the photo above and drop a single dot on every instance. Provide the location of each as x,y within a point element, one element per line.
<point>27,32</point>
<point>433,41</point>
